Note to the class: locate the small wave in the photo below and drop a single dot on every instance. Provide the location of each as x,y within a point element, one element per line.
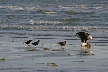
<point>71,7</point>
<point>42,70</point>
<point>12,7</point>
<point>46,27</point>
<point>71,39</point>
<point>101,45</point>
<point>44,22</point>
<point>81,6</point>
<point>99,42</point>
<point>85,70</point>
<point>74,6</point>
<point>99,7</point>
<point>20,68</point>
<point>32,8</point>
<point>72,12</point>
<point>71,19</point>
<point>19,37</point>
<point>2,7</point>
<point>46,38</point>
<point>103,40</point>
<point>50,12</point>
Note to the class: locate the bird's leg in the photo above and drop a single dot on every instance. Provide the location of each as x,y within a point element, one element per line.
<point>61,47</point>
<point>29,45</point>
<point>35,48</point>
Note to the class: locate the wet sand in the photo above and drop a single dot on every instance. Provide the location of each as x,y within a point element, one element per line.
<point>18,59</point>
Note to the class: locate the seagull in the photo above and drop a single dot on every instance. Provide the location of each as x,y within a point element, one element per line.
<point>36,43</point>
<point>28,42</point>
<point>62,43</point>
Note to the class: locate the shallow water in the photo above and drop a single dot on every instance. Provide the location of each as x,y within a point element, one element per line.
<point>19,59</point>
<point>52,22</point>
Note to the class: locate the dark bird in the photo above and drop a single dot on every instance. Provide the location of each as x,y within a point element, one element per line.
<point>84,36</point>
<point>28,42</point>
<point>36,43</point>
<point>62,43</point>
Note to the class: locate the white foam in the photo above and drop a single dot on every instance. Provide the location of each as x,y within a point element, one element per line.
<point>44,22</point>
<point>32,8</point>
<point>14,7</point>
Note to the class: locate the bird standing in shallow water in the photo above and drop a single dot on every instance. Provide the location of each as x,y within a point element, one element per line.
<point>62,43</point>
<point>36,43</point>
<point>28,42</point>
<point>84,36</point>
